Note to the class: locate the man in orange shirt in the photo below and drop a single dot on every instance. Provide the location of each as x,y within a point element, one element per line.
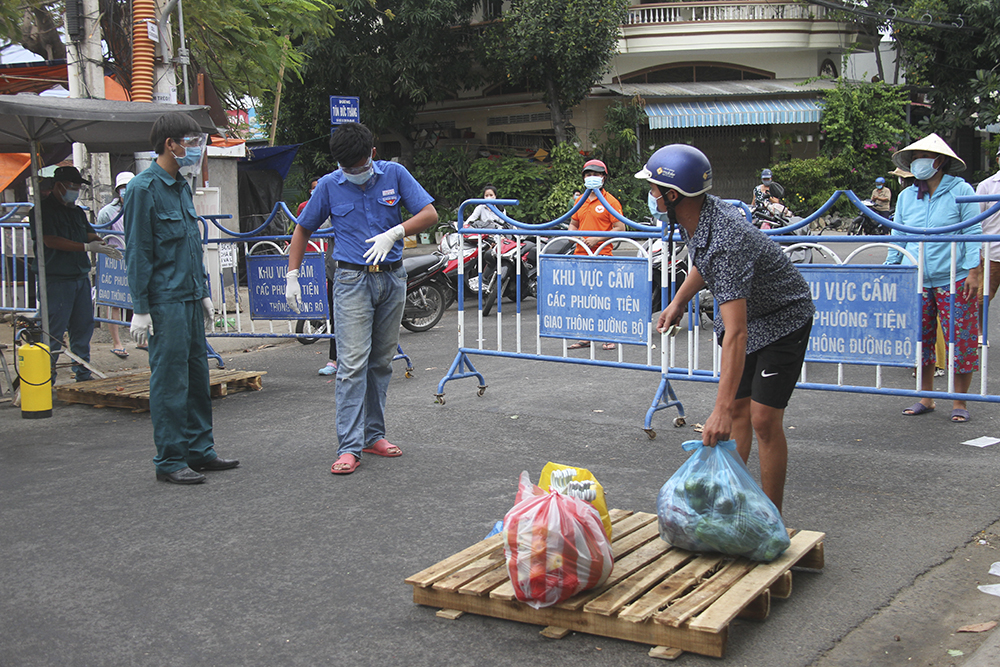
<point>593,216</point>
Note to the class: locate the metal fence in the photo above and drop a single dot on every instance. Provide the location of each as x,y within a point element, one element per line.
<point>846,362</point>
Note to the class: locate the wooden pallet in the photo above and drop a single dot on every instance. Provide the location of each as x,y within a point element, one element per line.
<point>131,392</point>
<point>672,599</point>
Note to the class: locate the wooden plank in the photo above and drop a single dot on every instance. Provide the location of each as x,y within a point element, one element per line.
<point>704,643</point>
<point>758,609</point>
<point>718,616</point>
<point>782,587</point>
<point>486,583</point>
<point>454,563</point>
<point>630,524</point>
<point>814,560</point>
<point>623,568</point>
<point>472,571</point>
<point>552,632</point>
<point>665,653</point>
<point>701,597</point>
<point>648,533</point>
<point>670,588</point>
<point>131,392</point>
<point>450,614</point>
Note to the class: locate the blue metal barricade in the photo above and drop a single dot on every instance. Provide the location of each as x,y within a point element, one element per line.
<point>882,334</point>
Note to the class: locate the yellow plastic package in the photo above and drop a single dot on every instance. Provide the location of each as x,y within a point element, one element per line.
<point>582,475</point>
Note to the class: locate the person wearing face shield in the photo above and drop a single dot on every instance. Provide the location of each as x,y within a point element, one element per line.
<point>363,200</point>
<point>929,203</point>
<point>593,216</point>
<point>111,214</point>
<point>991,225</point>
<point>765,309</point>
<point>171,301</point>
<point>68,239</point>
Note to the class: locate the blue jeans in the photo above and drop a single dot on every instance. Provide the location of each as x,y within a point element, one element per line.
<point>367,309</point>
<point>70,309</point>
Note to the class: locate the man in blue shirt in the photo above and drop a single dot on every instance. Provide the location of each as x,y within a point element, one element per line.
<point>169,294</point>
<point>765,309</point>
<point>362,199</point>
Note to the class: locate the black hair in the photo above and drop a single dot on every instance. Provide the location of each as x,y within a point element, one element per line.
<point>174,125</point>
<point>351,143</point>
<point>489,186</point>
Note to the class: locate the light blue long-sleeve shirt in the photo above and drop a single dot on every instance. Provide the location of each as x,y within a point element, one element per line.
<point>938,210</point>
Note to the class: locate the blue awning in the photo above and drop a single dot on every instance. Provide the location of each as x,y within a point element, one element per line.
<point>732,112</point>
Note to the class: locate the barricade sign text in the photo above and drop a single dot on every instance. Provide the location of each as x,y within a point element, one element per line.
<point>864,314</point>
<point>266,281</point>
<point>112,283</point>
<point>594,298</point>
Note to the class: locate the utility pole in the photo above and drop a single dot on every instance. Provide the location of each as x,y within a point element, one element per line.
<point>85,72</point>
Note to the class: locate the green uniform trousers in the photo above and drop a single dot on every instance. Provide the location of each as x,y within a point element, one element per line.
<point>180,398</point>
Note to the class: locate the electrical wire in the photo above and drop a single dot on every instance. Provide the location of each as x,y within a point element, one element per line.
<point>894,16</point>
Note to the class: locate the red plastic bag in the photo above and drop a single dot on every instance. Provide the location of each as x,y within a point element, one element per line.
<point>555,546</point>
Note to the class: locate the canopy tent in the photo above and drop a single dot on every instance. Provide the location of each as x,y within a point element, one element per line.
<point>27,122</point>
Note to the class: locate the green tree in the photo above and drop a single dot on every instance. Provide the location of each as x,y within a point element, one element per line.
<point>243,46</point>
<point>952,49</point>
<point>396,56</point>
<point>560,48</point>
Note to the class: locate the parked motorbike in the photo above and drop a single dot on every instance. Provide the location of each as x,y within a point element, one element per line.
<point>428,291</point>
<point>865,226</point>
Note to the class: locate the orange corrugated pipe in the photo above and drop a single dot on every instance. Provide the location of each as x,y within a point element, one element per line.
<point>143,50</point>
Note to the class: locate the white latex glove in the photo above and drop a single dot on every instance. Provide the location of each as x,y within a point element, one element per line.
<point>103,248</point>
<point>293,293</point>
<point>209,308</point>
<point>142,327</point>
<point>382,244</point>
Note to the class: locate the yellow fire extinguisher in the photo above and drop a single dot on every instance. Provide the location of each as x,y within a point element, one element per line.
<point>34,368</point>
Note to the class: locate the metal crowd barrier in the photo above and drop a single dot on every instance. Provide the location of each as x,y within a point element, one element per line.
<point>857,364</point>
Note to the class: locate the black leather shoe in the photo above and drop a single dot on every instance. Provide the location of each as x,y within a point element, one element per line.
<point>217,464</point>
<point>182,476</point>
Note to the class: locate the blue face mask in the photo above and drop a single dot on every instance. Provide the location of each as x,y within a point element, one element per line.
<point>191,157</point>
<point>70,196</point>
<point>922,168</point>
<point>363,177</point>
<point>593,182</point>
<point>651,203</point>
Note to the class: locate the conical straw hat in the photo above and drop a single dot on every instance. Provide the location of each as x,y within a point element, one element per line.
<point>932,143</point>
<point>902,173</point>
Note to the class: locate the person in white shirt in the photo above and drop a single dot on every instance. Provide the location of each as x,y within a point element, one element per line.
<point>991,225</point>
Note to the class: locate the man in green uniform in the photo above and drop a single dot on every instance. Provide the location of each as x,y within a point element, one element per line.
<point>68,238</point>
<point>171,301</point>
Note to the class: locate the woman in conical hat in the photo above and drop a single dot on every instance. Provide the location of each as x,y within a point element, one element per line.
<point>930,203</point>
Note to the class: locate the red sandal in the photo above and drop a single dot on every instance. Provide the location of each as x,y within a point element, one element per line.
<point>345,459</point>
<point>383,448</point>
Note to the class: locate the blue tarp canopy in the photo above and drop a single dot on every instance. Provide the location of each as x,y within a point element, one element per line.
<point>732,112</point>
<point>265,158</point>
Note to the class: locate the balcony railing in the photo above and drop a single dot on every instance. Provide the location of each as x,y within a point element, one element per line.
<point>677,12</point>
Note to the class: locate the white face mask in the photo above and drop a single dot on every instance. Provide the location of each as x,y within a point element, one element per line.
<point>362,178</point>
<point>593,182</point>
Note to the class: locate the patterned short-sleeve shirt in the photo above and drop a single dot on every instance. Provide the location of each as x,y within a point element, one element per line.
<point>738,261</point>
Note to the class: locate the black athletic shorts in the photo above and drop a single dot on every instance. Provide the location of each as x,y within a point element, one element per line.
<point>770,373</point>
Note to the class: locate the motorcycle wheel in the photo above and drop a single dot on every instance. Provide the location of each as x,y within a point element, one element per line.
<point>427,298</point>
<point>310,326</point>
<point>499,284</point>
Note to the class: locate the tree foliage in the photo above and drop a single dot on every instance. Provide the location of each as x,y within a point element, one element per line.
<point>395,55</point>
<point>560,48</point>
<point>243,46</point>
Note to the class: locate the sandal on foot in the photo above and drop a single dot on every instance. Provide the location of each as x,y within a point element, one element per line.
<point>119,352</point>
<point>608,346</point>
<point>346,459</point>
<point>960,415</point>
<point>579,345</point>
<point>917,408</point>
<point>383,448</point>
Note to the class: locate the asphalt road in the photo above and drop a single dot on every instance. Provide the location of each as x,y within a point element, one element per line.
<point>281,563</point>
